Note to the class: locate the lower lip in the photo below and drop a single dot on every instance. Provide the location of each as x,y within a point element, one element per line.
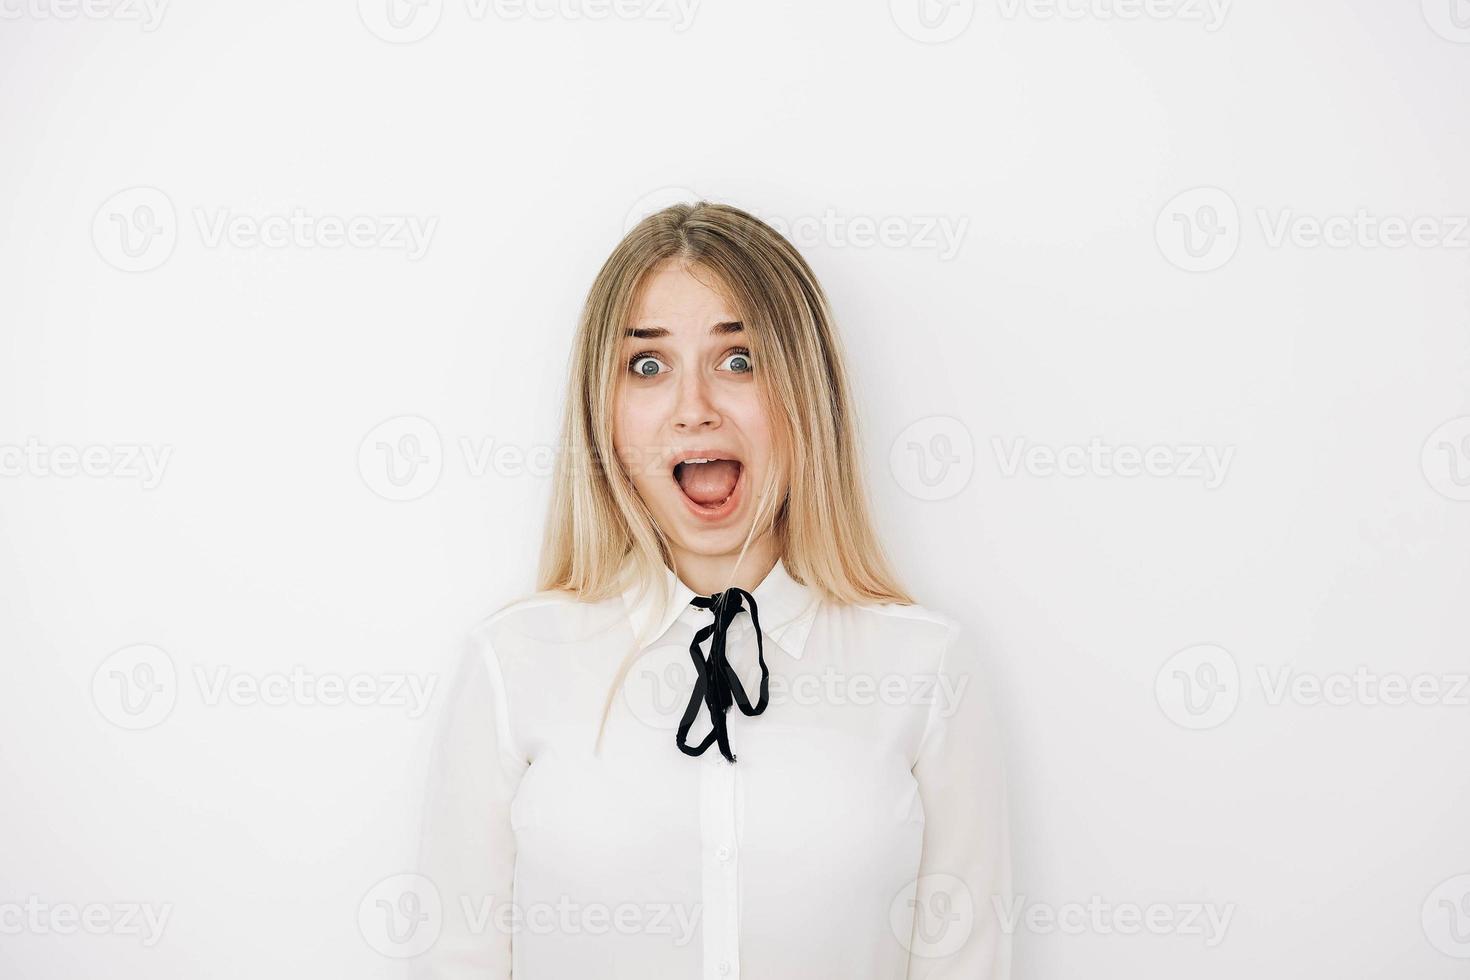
<point>714,514</point>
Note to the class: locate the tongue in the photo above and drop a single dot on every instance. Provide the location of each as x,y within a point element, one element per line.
<point>709,483</point>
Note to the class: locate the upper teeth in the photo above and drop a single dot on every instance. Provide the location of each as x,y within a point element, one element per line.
<point>699,460</point>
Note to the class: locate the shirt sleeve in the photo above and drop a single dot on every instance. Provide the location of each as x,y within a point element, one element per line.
<point>963,890</point>
<point>467,847</point>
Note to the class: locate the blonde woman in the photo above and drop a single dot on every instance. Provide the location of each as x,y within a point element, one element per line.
<point>720,741</point>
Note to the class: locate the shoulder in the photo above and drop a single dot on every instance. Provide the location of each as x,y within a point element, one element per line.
<point>918,617</point>
<point>545,617</point>
<point>926,636</point>
<point>916,623</point>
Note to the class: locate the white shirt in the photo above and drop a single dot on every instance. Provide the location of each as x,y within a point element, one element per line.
<point>861,833</point>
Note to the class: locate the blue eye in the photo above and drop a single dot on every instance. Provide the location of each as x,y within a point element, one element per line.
<point>642,370</point>
<point>742,361</point>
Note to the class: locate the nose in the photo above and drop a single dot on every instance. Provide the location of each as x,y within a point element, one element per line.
<point>693,408</point>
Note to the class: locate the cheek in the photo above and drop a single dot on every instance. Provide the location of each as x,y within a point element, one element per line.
<point>757,430</point>
<point>770,471</point>
<point>636,435</point>
<point>626,420</point>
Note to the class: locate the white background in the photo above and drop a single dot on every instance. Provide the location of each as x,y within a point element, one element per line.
<point>1080,297</point>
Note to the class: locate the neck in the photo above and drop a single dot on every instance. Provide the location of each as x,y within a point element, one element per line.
<point>709,574</point>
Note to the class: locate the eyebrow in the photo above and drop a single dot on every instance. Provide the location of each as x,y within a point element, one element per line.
<point>651,333</point>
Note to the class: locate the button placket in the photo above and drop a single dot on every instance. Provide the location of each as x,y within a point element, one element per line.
<point>720,870</point>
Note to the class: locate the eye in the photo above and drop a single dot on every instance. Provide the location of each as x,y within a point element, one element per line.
<point>742,363</point>
<point>644,364</point>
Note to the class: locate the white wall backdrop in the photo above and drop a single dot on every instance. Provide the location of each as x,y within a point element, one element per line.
<point>1159,312</point>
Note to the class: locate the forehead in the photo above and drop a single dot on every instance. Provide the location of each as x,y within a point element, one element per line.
<point>680,297</point>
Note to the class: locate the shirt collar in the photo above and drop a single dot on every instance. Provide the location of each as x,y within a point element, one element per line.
<point>787,608</point>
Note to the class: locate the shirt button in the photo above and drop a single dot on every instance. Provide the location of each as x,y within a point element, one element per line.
<point>724,855</point>
<point>724,966</point>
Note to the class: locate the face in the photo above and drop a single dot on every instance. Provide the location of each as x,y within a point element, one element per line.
<point>689,392</point>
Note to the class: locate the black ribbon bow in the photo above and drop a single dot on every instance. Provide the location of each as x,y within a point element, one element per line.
<point>716,684</point>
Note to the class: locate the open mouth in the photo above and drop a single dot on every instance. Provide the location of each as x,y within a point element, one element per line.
<point>708,482</point>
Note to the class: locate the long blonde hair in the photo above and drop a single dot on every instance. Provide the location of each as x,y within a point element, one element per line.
<point>597,521</point>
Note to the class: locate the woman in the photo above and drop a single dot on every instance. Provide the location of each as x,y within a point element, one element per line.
<point>596,809</point>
